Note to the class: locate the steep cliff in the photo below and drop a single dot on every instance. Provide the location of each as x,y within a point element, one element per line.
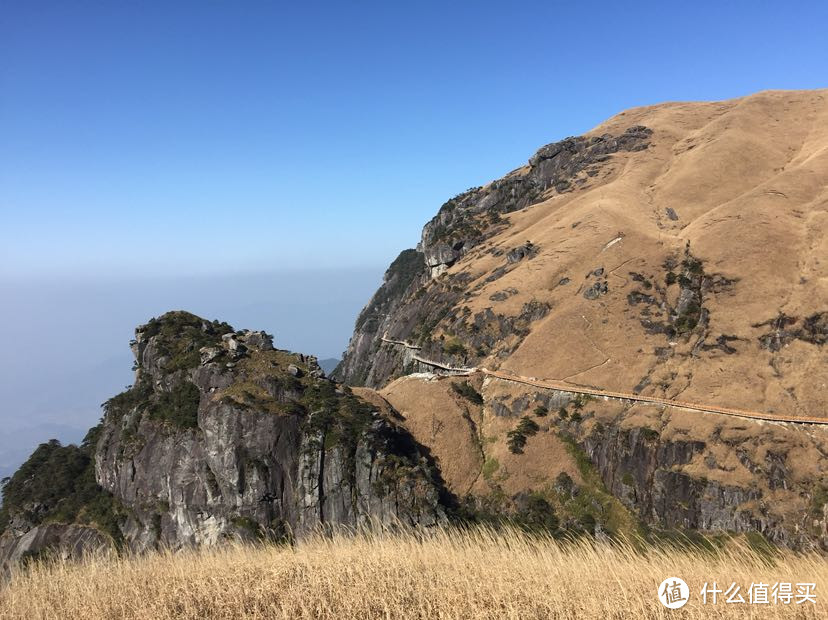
<point>410,304</point>
<point>222,436</point>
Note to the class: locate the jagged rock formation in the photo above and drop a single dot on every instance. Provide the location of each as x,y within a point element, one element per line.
<point>409,304</point>
<point>223,437</point>
<point>674,251</point>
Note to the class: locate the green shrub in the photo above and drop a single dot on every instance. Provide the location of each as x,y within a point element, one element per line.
<point>249,525</point>
<point>693,265</point>
<point>453,346</point>
<point>564,485</point>
<point>588,522</point>
<point>61,481</point>
<point>688,319</point>
<point>181,334</point>
<point>541,411</point>
<point>649,434</point>
<point>528,426</point>
<point>538,515</point>
<point>580,400</point>
<point>137,395</point>
<point>398,277</point>
<point>490,466</point>
<point>178,407</point>
<point>467,391</point>
<point>819,497</point>
<point>516,439</point>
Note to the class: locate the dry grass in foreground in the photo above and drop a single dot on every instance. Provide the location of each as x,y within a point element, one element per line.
<point>452,574</point>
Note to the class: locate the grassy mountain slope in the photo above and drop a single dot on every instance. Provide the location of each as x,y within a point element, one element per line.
<point>676,250</point>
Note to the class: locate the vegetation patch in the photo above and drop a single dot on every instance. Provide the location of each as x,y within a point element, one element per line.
<point>467,391</point>
<point>180,335</point>
<point>135,397</point>
<point>819,498</point>
<point>177,407</point>
<point>649,434</point>
<point>398,277</point>
<point>593,505</point>
<point>687,320</point>
<point>490,466</point>
<point>248,525</point>
<point>57,484</point>
<point>535,514</point>
<point>581,400</point>
<point>453,346</point>
<point>516,438</point>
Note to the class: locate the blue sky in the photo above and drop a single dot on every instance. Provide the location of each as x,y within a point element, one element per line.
<point>213,136</point>
<point>262,163</point>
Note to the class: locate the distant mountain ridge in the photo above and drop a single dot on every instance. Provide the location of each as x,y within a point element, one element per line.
<point>329,364</point>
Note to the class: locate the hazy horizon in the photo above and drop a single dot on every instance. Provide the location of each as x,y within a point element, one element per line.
<point>69,350</point>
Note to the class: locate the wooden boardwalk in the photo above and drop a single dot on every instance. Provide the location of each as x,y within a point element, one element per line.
<point>562,386</point>
<point>568,387</point>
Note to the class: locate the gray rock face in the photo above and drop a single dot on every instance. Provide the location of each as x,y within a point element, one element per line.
<point>457,227</point>
<point>785,329</point>
<point>258,340</point>
<point>644,472</point>
<point>527,250</point>
<point>372,495</point>
<point>405,276</point>
<point>64,541</point>
<point>272,450</point>
<point>596,290</point>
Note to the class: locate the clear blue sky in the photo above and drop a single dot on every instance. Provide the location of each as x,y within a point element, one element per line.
<point>191,138</point>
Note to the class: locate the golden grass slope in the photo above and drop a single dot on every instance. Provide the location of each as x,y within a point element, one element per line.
<point>447,574</point>
<point>748,179</point>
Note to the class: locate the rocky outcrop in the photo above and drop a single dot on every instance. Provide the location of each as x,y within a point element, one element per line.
<point>411,304</point>
<point>469,218</point>
<point>365,485</point>
<point>648,474</point>
<point>785,329</point>
<point>52,540</point>
<point>274,449</point>
<point>405,276</point>
<point>221,437</point>
<point>668,477</point>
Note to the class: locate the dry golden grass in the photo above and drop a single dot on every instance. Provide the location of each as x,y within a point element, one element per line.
<point>450,574</point>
